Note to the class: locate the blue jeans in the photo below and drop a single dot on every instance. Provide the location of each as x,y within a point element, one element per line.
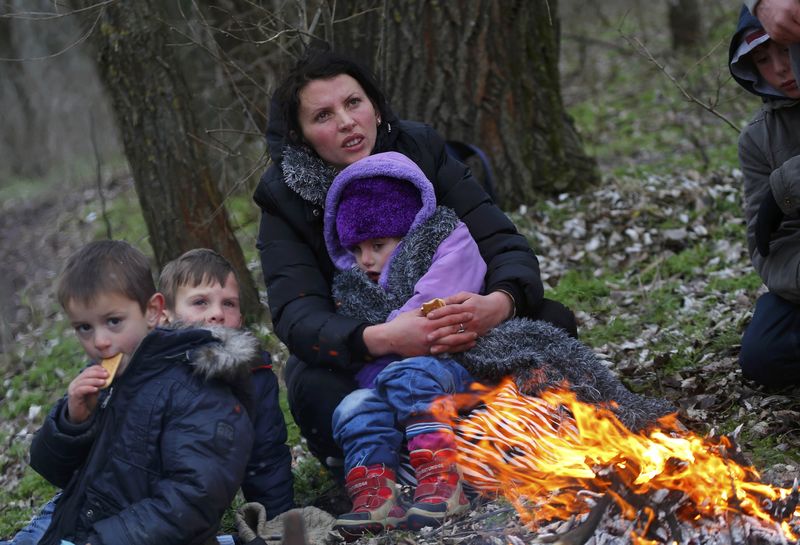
<point>770,352</point>
<point>369,424</point>
<point>33,532</point>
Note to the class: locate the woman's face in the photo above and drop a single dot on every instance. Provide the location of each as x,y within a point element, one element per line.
<point>338,119</point>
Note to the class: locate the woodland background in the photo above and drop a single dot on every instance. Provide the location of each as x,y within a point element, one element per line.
<point>611,126</point>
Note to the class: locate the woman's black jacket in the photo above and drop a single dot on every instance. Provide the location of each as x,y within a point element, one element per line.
<point>298,271</point>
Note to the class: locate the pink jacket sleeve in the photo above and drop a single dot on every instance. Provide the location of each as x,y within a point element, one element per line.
<point>457,266</point>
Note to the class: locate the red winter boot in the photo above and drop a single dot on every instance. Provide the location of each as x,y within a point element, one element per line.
<point>373,492</point>
<point>439,492</point>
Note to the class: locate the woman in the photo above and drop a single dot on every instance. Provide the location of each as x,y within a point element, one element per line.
<point>327,114</point>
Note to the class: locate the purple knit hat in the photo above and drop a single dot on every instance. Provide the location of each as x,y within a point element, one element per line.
<point>376,207</point>
<point>381,166</point>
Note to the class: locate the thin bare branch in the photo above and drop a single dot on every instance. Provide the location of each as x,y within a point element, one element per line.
<point>216,145</point>
<point>258,165</point>
<point>48,16</point>
<point>70,46</point>
<point>642,50</point>
<point>235,131</point>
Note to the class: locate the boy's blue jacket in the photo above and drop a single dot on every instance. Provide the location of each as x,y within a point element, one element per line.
<point>164,452</point>
<point>268,479</point>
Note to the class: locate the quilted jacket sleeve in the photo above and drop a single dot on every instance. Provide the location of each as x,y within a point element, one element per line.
<point>59,448</point>
<point>299,291</point>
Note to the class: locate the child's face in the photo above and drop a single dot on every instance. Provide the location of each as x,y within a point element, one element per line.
<point>208,304</point>
<point>111,324</point>
<point>371,255</point>
<point>773,63</point>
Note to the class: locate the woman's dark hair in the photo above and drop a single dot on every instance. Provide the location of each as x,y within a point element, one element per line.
<point>323,64</point>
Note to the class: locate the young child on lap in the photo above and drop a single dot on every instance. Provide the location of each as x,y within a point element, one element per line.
<point>382,227</point>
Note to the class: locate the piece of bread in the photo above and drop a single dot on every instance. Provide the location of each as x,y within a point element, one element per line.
<point>433,304</point>
<point>110,365</point>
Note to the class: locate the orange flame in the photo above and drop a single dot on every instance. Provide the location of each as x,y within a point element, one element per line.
<point>544,454</point>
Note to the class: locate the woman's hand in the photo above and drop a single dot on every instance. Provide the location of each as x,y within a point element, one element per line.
<point>466,317</point>
<point>452,328</point>
<point>406,335</point>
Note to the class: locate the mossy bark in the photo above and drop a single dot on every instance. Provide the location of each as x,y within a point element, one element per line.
<point>484,72</point>
<point>182,207</point>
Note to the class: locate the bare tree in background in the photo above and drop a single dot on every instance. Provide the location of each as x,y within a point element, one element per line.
<point>182,206</point>
<point>47,85</point>
<point>480,71</point>
<point>685,25</point>
<point>484,72</point>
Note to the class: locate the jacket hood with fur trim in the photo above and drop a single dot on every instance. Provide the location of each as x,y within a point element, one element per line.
<point>213,352</point>
<point>227,359</point>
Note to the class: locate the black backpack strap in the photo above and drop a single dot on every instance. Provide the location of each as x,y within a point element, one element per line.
<point>463,151</point>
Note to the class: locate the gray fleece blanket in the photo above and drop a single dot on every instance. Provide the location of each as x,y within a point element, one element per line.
<point>535,354</point>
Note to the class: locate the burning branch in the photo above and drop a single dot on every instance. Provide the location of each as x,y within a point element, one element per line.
<point>668,483</point>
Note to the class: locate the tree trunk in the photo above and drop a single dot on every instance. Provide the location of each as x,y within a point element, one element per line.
<point>685,25</point>
<point>484,72</point>
<point>181,204</point>
<point>22,122</point>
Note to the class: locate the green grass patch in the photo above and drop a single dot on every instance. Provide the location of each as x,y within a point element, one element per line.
<point>750,283</point>
<point>310,481</point>
<point>292,430</point>
<point>124,215</point>
<point>764,453</point>
<point>48,372</point>
<point>23,501</point>
<point>581,290</point>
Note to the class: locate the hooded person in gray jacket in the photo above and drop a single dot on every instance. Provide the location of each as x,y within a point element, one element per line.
<point>769,155</point>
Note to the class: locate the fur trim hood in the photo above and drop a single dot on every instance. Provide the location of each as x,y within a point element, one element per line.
<point>358,297</point>
<point>213,352</point>
<point>229,358</point>
<point>306,174</point>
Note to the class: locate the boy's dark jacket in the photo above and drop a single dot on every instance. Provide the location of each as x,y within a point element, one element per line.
<point>769,156</point>
<point>165,451</point>
<point>268,479</point>
<point>298,271</point>
<point>535,354</point>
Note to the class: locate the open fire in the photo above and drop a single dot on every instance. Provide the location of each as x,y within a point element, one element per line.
<point>558,459</point>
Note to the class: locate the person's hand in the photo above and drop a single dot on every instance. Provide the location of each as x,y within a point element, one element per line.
<point>781,19</point>
<point>406,335</point>
<point>466,317</point>
<point>83,392</point>
<point>768,220</point>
